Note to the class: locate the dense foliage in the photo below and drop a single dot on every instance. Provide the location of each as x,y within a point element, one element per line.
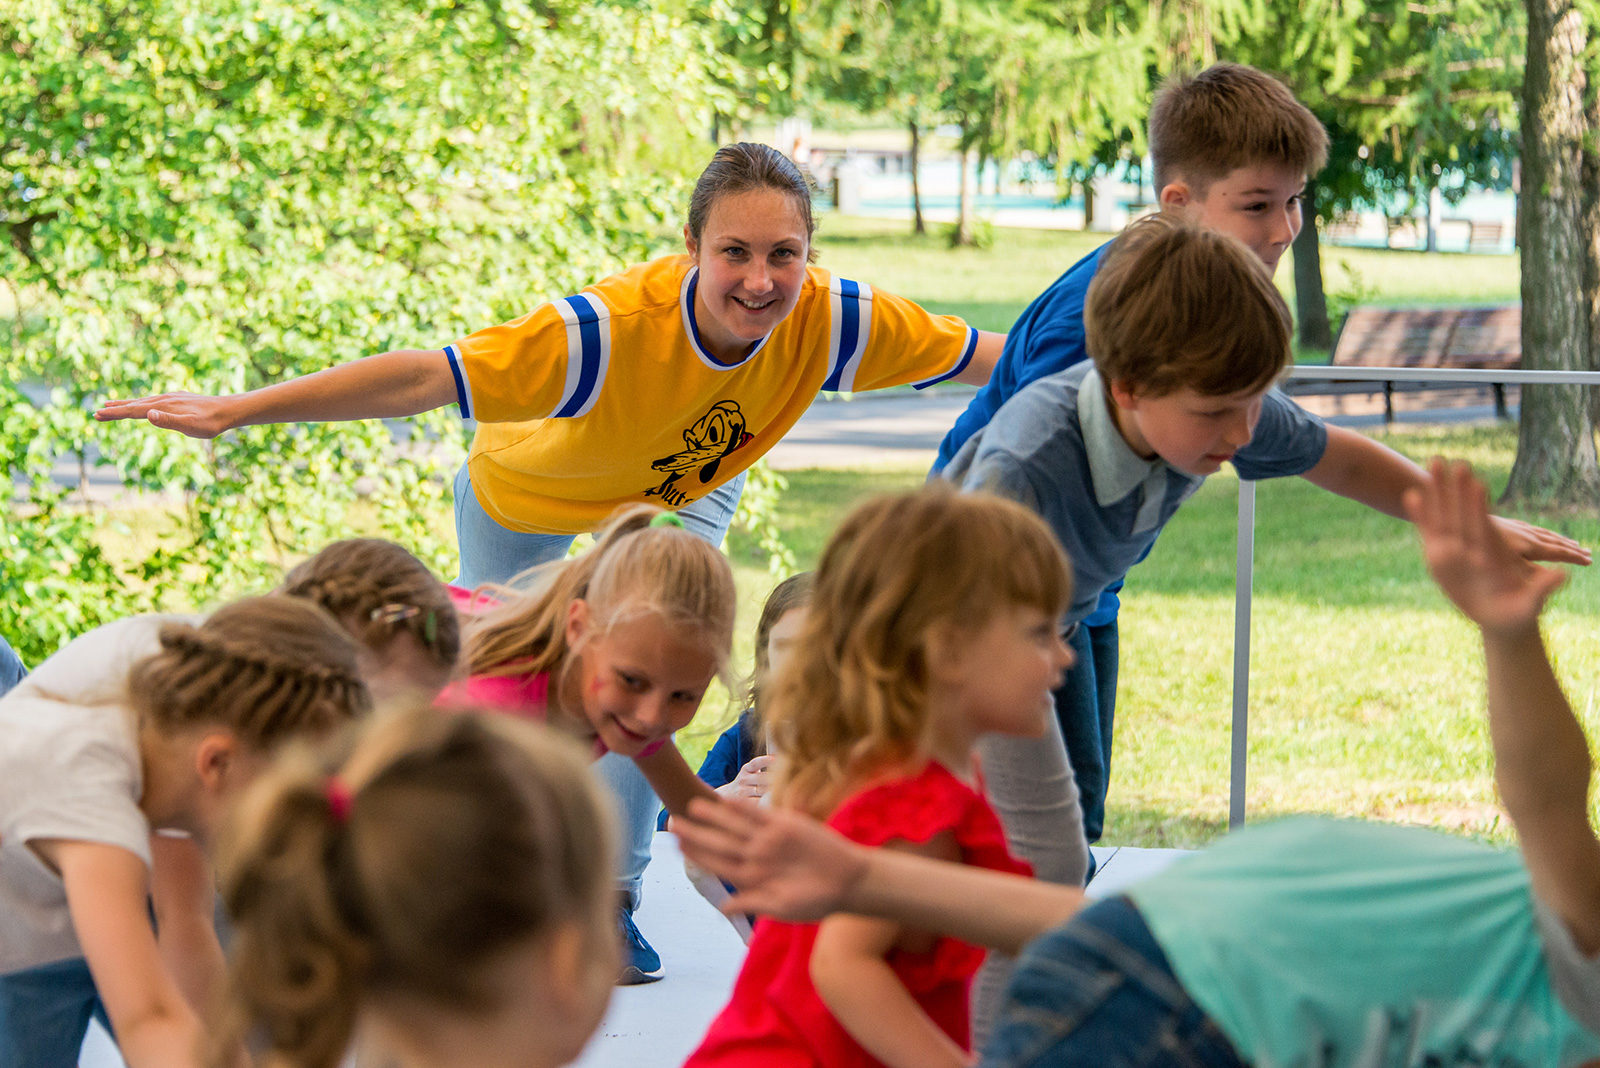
<point>213,196</point>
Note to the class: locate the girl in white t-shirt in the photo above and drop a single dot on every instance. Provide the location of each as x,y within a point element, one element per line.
<point>150,724</point>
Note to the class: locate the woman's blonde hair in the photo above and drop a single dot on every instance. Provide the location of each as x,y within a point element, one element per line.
<point>403,860</point>
<point>853,698</point>
<point>639,564</point>
<point>383,589</point>
<point>267,668</point>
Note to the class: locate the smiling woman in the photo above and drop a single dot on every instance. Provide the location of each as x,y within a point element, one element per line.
<point>661,384</point>
<point>650,385</point>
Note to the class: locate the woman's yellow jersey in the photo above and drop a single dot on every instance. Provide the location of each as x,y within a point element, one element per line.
<point>609,397</point>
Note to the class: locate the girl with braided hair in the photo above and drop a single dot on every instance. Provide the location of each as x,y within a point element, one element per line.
<point>399,611</point>
<point>344,932</point>
<point>149,726</point>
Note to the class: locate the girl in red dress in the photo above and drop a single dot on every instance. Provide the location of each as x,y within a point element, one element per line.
<point>934,620</point>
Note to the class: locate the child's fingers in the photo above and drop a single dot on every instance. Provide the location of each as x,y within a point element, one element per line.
<point>1453,513</point>
<point>1422,503</point>
<point>735,817</point>
<point>1548,580</point>
<point>1476,523</point>
<point>716,833</point>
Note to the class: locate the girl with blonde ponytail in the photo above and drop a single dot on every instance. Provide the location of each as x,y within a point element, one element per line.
<point>150,724</point>
<point>345,933</point>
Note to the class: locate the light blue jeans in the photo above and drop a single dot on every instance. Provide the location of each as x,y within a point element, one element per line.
<point>11,669</point>
<point>45,1013</point>
<point>491,553</point>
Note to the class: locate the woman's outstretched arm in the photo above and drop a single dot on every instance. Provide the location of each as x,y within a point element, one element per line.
<point>387,386</point>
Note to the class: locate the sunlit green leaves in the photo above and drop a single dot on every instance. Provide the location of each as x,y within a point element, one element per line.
<point>213,196</point>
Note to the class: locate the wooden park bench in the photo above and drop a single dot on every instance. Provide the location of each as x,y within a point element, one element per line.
<point>1482,338</point>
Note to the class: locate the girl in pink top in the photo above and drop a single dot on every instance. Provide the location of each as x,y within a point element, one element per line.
<point>617,646</point>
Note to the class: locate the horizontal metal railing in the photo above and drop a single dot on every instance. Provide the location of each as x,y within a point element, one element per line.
<point>1245,557</point>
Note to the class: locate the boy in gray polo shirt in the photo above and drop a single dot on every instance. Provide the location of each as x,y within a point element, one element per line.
<point>1187,335</point>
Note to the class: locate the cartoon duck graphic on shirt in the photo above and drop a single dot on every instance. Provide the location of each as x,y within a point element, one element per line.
<point>713,436</point>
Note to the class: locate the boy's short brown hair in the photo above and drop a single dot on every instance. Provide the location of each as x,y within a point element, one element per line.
<point>1176,306</point>
<point>1229,116</point>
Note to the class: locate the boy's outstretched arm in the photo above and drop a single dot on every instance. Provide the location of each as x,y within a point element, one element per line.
<point>388,386</point>
<point>1357,467</point>
<point>1542,764</point>
<point>790,866</point>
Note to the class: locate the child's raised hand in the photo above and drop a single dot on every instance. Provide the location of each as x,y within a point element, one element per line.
<point>193,414</point>
<point>784,864</point>
<point>1469,554</point>
<point>753,781</point>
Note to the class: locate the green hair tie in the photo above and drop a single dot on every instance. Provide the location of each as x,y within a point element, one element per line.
<point>667,519</point>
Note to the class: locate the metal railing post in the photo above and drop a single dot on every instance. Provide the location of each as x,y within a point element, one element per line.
<point>1244,575</point>
<point>1245,561</point>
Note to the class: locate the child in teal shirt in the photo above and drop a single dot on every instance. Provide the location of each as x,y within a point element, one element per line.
<point>1309,942</point>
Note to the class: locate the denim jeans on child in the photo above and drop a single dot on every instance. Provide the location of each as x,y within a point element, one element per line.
<point>44,1014</point>
<point>1097,992</point>
<point>1086,703</point>
<point>491,553</point>
<point>12,670</point>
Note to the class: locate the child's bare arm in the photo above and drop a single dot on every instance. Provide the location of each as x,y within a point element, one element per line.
<point>790,866</point>
<point>390,385</point>
<point>673,780</point>
<point>1357,467</point>
<point>869,1001</point>
<point>1542,763</point>
<point>851,972</point>
<point>106,894</point>
<point>183,894</point>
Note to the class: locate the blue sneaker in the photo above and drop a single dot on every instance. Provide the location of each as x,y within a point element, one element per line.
<point>640,963</point>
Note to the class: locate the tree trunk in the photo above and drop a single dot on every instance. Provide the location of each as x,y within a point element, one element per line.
<point>963,234</point>
<point>1088,199</point>
<point>1310,299</point>
<point>918,226</point>
<point>1556,461</point>
<point>1590,173</point>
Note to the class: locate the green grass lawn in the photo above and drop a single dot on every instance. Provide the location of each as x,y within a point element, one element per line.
<point>1366,687</point>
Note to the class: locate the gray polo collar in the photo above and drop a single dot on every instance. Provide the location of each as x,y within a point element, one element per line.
<point>1114,468</point>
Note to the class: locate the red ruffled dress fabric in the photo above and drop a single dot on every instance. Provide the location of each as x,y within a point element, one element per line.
<point>776,1019</point>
